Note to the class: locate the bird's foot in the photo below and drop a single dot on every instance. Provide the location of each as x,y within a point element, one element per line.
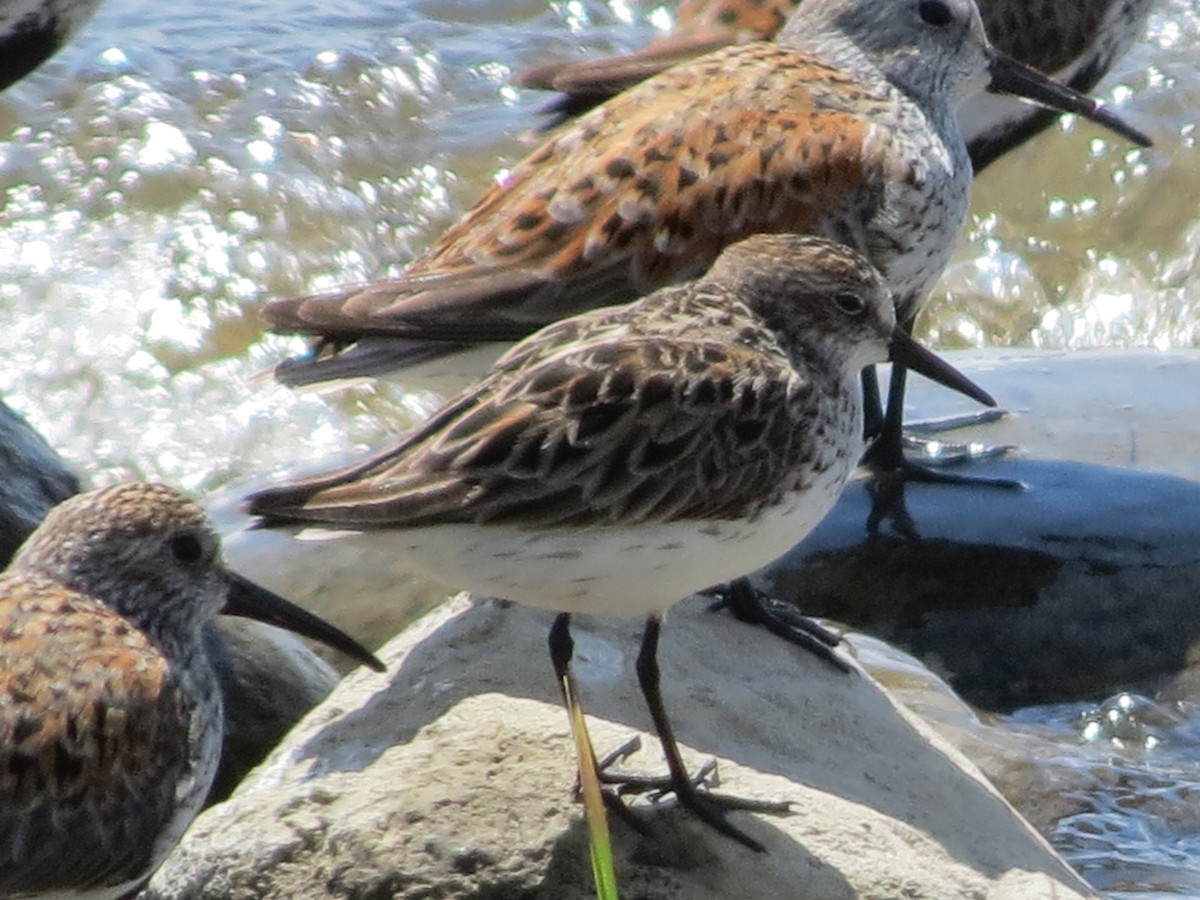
<point>918,458</point>
<point>782,619</point>
<point>923,447</point>
<point>692,792</point>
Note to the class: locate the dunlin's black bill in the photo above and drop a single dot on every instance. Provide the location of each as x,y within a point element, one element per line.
<point>1010,76</point>
<point>247,599</point>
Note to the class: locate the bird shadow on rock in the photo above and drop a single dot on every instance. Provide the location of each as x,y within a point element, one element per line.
<point>669,851</point>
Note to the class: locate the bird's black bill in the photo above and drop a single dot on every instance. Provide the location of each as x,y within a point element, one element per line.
<point>249,600</point>
<point>1012,77</point>
<point>908,353</point>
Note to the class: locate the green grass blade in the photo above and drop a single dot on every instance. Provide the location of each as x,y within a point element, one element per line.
<point>593,803</point>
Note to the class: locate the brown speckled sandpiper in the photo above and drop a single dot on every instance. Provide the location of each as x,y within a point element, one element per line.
<point>110,714</point>
<point>618,461</point>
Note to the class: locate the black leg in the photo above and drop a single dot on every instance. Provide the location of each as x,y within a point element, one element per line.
<point>885,456</point>
<point>890,455</point>
<point>707,807</point>
<point>872,403</point>
<point>562,646</point>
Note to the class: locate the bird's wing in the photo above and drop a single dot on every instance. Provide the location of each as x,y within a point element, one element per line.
<point>645,191</point>
<point>701,26</point>
<point>585,84</point>
<point>628,430</point>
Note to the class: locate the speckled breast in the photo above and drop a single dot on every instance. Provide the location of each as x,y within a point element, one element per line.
<point>925,194</point>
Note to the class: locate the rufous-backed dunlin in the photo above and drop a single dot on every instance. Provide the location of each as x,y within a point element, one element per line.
<point>110,714</point>
<point>1075,42</point>
<point>618,461</point>
<point>843,128</point>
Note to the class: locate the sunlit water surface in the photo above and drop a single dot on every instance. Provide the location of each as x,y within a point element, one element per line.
<point>183,161</point>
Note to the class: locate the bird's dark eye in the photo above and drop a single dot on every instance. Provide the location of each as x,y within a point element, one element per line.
<point>935,12</point>
<point>187,548</point>
<point>850,304</point>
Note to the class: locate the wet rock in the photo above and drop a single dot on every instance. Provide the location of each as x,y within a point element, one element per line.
<point>1132,408</point>
<point>1081,584</point>
<point>33,479</point>
<point>269,680</point>
<point>451,775</point>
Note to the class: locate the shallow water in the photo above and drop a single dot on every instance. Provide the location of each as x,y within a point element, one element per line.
<point>182,161</point>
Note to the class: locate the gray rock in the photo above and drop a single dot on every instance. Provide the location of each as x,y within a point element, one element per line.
<point>1133,408</point>
<point>450,777</point>
<point>269,680</point>
<point>1082,584</point>
<point>33,479</point>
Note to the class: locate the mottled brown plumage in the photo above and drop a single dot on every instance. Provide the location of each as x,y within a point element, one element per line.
<point>1075,41</point>
<point>93,724</point>
<point>710,400</point>
<point>843,128</point>
<point>110,715</point>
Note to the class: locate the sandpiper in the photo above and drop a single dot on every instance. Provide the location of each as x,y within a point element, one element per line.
<point>1076,42</point>
<point>110,715</point>
<point>842,128</point>
<point>621,460</point>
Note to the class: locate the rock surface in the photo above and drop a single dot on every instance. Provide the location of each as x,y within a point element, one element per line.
<point>450,776</point>
<point>1082,584</point>
<point>1134,408</point>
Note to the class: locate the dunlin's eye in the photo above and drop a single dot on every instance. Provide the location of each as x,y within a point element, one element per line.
<point>850,304</point>
<point>935,12</point>
<point>187,549</point>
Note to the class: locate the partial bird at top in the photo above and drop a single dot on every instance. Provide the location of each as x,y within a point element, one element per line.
<point>1076,42</point>
<point>843,128</point>
<point>31,31</point>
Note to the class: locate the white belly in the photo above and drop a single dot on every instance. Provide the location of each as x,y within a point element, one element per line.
<point>629,571</point>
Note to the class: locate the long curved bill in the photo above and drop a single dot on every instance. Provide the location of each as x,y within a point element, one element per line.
<point>250,601</point>
<point>1010,76</point>
<point>908,353</point>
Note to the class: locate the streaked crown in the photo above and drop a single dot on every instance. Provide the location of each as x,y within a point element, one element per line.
<point>145,550</point>
<point>813,291</point>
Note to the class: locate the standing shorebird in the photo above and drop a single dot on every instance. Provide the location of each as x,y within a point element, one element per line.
<point>843,128</point>
<point>618,461</point>
<point>1075,41</point>
<point>110,714</point>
